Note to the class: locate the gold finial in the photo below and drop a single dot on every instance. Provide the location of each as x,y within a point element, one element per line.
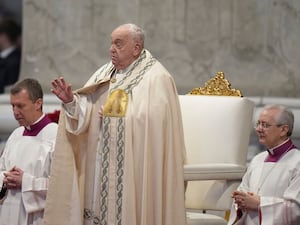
<point>216,86</point>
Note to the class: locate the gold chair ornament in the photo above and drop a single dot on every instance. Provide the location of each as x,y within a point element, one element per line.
<point>217,86</point>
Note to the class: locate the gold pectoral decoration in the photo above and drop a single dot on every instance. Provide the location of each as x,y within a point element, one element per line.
<point>217,86</point>
<point>116,104</point>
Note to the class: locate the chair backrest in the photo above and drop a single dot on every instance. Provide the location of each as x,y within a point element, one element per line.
<point>216,128</point>
<point>216,131</point>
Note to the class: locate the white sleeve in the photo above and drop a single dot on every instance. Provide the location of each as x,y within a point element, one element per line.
<point>278,211</point>
<point>71,107</point>
<point>77,114</point>
<point>285,210</point>
<point>2,170</point>
<point>34,191</point>
<point>3,165</point>
<point>34,187</point>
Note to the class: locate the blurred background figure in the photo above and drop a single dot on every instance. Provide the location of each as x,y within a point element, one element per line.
<point>10,52</point>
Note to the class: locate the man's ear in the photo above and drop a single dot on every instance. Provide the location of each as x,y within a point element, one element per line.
<point>285,129</point>
<point>137,49</point>
<point>38,104</point>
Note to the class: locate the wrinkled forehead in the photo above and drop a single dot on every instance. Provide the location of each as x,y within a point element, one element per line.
<point>269,115</point>
<point>121,33</point>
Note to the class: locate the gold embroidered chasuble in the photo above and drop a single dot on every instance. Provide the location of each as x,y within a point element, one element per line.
<point>126,168</point>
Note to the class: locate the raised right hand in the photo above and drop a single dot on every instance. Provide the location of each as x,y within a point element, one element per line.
<point>62,90</point>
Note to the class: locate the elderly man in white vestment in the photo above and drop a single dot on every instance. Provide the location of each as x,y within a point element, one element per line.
<point>270,190</point>
<point>120,150</point>
<point>25,162</point>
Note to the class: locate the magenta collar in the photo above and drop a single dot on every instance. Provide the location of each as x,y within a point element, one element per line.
<point>37,127</point>
<point>279,151</point>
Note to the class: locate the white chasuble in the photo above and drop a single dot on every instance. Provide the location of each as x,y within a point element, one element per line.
<point>125,168</point>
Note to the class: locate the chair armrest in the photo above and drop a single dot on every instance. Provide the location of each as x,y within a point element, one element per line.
<point>213,171</point>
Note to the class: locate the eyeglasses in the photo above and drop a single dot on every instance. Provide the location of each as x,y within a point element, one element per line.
<point>265,125</point>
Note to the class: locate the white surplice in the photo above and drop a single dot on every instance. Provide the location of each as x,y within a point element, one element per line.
<point>278,185</point>
<point>32,154</point>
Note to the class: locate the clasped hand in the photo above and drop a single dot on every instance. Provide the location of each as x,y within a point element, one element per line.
<point>246,200</point>
<point>13,178</point>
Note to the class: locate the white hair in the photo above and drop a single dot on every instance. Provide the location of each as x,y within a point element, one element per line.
<point>138,33</point>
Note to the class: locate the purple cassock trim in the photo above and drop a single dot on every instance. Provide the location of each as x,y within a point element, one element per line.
<point>280,151</point>
<point>36,128</point>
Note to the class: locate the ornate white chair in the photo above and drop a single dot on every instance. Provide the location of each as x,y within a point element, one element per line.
<point>216,131</point>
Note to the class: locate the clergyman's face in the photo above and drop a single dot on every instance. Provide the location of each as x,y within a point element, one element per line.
<point>268,131</point>
<point>26,112</point>
<point>123,49</point>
